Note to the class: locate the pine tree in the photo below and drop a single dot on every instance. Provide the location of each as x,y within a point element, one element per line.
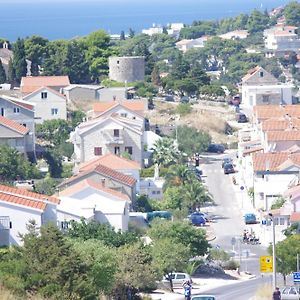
<point>19,61</point>
<point>122,36</point>
<point>2,73</point>
<point>11,76</point>
<point>155,78</point>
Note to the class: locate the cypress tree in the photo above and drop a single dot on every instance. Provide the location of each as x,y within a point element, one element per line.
<point>2,73</point>
<point>11,73</point>
<point>19,61</point>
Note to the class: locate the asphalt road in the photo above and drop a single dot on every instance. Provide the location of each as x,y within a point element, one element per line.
<point>228,224</point>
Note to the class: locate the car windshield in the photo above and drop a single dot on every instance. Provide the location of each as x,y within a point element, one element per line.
<point>203,298</point>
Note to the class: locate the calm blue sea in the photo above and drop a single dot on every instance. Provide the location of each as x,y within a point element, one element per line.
<point>69,18</point>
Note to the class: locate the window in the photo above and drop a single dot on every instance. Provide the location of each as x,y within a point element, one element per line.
<point>117,150</point>
<point>98,151</point>
<point>44,95</point>
<point>124,115</point>
<point>2,111</point>
<point>54,111</point>
<point>261,74</point>
<point>16,110</point>
<point>281,221</point>
<point>116,132</point>
<point>129,150</point>
<point>265,98</point>
<point>24,124</point>
<point>180,276</point>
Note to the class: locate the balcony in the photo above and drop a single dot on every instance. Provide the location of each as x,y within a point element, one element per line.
<point>111,138</point>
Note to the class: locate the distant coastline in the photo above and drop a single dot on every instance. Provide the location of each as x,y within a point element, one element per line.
<point>67,20</point>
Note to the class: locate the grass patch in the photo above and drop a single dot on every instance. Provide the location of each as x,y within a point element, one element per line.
<point>264,292</point>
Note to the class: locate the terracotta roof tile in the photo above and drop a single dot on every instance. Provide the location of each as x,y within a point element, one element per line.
<point>31,83</point>
<point>102,170</point>
<point>263,112</point>
<point>252,150</point>
<point>23,104</point>
<point>276,136</point>
<point>48,89</point>
<point>134,105</point>
<point>69,191</point>
<point>13,125</point>
<point>111,161</point>
<point>295,217</point>
<point>25,193</point>
<point>250,73</point>
<point>274,161</point>
<point>280,124</point>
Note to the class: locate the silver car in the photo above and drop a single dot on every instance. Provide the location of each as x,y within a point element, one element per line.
<point>177,279</point>
<point>290,293</point>
<point>203,297</point>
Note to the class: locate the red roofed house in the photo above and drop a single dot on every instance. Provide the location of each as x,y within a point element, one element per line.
<point>273,173</point>
<point>93,201</point>
<point>30,84</point>
<point>107,177</point>
<point>18,207</point>
<point>282,140</point>
<point>17,127</point>
<point>260,87</point>
<point>48,103</point>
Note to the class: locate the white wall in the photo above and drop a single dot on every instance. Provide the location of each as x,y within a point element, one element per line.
<point>19,217</point>
<point>43,107</point>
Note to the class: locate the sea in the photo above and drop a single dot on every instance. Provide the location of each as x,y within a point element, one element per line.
<point>66,19</point>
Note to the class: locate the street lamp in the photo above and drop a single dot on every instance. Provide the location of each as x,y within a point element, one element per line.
<point>273,250</point>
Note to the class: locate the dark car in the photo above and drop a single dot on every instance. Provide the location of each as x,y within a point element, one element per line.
<point>216,148</point>
<point>197,219</point>
<point>235,100</point>
<point>228,168</point>
<point>241,118</point>
<point>226,160</point>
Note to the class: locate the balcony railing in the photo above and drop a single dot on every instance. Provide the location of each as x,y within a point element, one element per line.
<point>109,138</point>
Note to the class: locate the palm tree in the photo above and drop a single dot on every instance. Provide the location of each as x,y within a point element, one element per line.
<point>179,175</point>
<point>165,152</point>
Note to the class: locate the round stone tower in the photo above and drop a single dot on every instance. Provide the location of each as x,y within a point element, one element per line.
<point>126,68</point>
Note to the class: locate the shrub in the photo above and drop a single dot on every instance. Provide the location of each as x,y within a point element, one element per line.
<point>230,265</point>
<point>184,109</point>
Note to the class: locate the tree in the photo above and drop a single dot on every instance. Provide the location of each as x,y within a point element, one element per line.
<point>11,76</point>
<point>122,35</point>
<point>257,21</point>
<point>75,65</point>
<point>131,33</point>
<point>191,140</point>
<point>102,263</point>
<point>54,161</point>
<point>181,232</point>
<point>53,268</point>
<point>13,165</point>
<point>77,117</point>
<point>170,256</point>
<point>135,273</point>
<point>142,204</point>
<point>36,51</point>
<point>180,68</point>
<point>2,73</point>
<point>278,202</point>
<point>46,186</point>
<point>177,175</point>
<point>155,77</point>
<point>19,60</point>
<point>165,152</point>
<point>286,254</point>
<point>292,13</point>
<point>198,75</point>
<point>102,232</point>
<point>186,86</point>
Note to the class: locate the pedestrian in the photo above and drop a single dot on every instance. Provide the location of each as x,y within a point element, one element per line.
<point>276,294</point>
<point>187,286</point>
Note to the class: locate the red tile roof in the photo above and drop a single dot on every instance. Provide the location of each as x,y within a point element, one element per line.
<point>115,175</point>
<point>69,191</point>
<point>273,161</point>
<point>252,150</point>
<point>31,83</point>
<point>25,198</point>
<point>111,161</point>
<point>23,104</point>
<point>276,136</point>
<point>263,112</point>
<point>13,125</point>
<point>48,89</point>
<point>134,105</point>
<point>295,217</point>
<point>280,124</point>
<point>250,73</point>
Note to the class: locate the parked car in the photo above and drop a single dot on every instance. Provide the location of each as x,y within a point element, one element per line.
<point>226,160</point>
<point>197,219</point>
<point>290,293</point>
<point>250,218</point>
<point>235,100</point>
<point>216,148</point>
<point>159,214</point>
<point>203,214</point>
<point>229,168</point>
<point>177,279</point>
<point>203,297</point>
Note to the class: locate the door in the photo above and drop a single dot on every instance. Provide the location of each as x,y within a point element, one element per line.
<point>4,231</point>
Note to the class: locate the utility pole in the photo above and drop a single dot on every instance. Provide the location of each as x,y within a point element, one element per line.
<point>297,262</point>
<point>273,251</point>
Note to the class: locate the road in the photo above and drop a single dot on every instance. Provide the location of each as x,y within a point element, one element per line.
<point>228,215</point>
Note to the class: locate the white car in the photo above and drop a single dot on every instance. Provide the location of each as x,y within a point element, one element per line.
<point>177,279</point>
<point>290,293</point>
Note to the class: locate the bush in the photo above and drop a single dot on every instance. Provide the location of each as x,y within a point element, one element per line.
<point>149,172</point>
<point>230,265</point>
<point>184,109</point>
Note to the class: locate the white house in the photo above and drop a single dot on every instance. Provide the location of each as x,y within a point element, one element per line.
<point>185,45</point>
<point>92,201</point>
<point>112,134</point>
<point>49,104</point>
<point>115,162</point>
<point>234,35</point>
<point>153,30</point>
<point>259,87</point>
<point>152,187</point>
<point>273,174</point>
<point>18,207</point>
